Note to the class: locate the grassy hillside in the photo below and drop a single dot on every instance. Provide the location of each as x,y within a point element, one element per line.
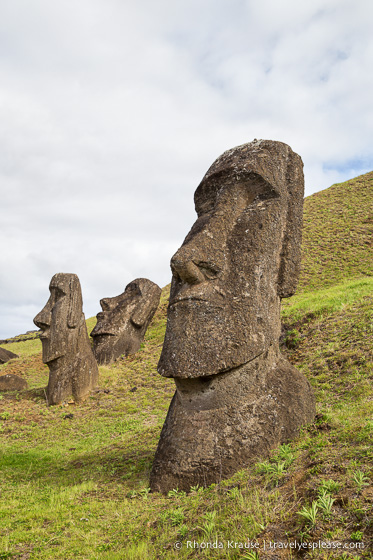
<point>338,234</point>
<point>75,478</point>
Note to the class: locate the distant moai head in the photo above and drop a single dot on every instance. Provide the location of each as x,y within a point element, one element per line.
<point>122,323</point>
<point>240,257</point>
<point>73,370</point>
<point>61,317</point>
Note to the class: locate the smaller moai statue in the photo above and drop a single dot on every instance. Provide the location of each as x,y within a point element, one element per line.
<point>6,355</point>
<point>67,351</point>
<point>122,323</point>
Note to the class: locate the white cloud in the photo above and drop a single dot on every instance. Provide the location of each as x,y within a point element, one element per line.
<point>112,112</point>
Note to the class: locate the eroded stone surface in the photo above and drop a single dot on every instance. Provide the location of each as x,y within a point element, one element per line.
<point>73,369</point>
<point>236,396</point>
<point>124,319</point>
<point>11,382</point>
<point>6,355</point>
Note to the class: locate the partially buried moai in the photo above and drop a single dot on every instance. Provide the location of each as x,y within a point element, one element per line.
<point>124,319</point>
<point>73,370</point>
<point>236,395</point>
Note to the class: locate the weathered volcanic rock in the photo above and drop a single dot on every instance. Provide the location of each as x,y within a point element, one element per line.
<point>6,355</point>
<point>236,396</point>
<point>122,324</point>
<point>11,382</point>
<point>73,369</point>
<point>217,425</point>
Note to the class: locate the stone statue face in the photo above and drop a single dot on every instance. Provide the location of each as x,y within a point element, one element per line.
<point>123,318</point>
<point>116,312</point>
<point>241,255</point>
<point>60,317</point>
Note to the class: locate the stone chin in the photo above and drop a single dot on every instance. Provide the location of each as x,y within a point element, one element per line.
<point>109,347</point>
<point>51,351</point>
<point>103,347</point>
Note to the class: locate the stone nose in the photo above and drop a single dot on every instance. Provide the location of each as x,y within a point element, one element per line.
<point>105,304</point>
<point>185,269</point>
<point>200,259</point>
<point>43,319</point>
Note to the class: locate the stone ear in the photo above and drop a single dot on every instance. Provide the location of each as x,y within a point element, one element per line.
<point>143,310</point>
<point>291,246</point>
<point>75,303</point>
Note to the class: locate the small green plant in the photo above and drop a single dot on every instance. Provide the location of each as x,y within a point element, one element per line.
<point>176,517</point>
<point>325,503</point>
<point>144,492</point>
<point>357,536</point>
<point>196,488</point>
<point>4,415</point>
<point>183,531</point>
<point>309,513</point>
<point>361,480</point>
<point>210,515</point>
<point>163,518</point>
<point>209,526</point>
<point>235,493</point>
<point>274,470</point>
<point>285,452</point>
<point>330,486</point>
<point>252,555</point>
<point>271,468</point>
<point>292,339</point>
<point>175,492</point>
<point>279,468</point>
<point>264,467</point>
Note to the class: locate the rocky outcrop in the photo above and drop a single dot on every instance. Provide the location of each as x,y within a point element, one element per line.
<point>11,382</point>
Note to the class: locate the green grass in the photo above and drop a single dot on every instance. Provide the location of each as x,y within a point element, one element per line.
<point>337,234</point>
<point>76,488</point>
<point>325,301</point>
<point>27,348</point>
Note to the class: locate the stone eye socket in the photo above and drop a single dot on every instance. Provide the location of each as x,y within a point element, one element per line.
<point>56,294</point>
<point>207,269</point>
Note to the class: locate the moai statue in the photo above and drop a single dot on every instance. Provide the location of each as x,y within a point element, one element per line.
<point>6,355</point>
<point>122,323</point>
<point>236,396</point>
<point>67,350</point>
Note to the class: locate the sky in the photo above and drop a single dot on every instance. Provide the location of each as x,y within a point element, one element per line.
<point>111,112</point>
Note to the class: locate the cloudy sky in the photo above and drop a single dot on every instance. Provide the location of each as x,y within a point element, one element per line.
<point>112,111</point>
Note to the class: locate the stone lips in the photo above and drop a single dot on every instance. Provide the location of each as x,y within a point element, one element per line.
<point>122,324</point>
<point>67,350</point>
<point>236,396</point>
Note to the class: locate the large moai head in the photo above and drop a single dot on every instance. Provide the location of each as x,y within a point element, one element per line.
<point>61,316</point>
<point>240,257</point>
<point>122,323</point>
<point>67,350</point>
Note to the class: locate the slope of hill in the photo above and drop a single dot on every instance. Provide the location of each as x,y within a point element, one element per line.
<point>338,234</point>
<point>75,478</point>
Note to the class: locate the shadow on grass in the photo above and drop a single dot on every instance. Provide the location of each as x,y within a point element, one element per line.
<point>128,463</point>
